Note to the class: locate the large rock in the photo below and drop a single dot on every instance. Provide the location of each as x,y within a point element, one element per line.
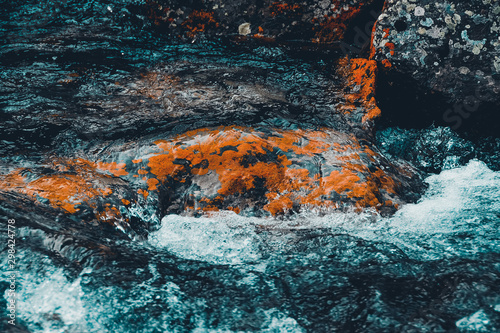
<point>323,21</point>
<point>305,149</point>
<point>442,61</point>
<point>112,127</point>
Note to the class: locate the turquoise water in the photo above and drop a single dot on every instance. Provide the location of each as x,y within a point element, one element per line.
<point>433,266</point>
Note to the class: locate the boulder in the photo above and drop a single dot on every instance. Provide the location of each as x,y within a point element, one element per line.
<point>441,62</point>
<point>323,21</point>
<point>280,149</point>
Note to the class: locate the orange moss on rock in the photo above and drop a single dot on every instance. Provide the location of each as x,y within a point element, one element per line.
<point>282,8</point>
<point>331,28</point>
<point>242,156</point>
<point>199,21</point>
<point>360,75</point>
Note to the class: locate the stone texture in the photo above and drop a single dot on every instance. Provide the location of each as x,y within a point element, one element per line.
<point>445,52</point>
<point>318,21</point>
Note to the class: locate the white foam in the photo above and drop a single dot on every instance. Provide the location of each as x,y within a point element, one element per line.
<point>477,322</point>
<point>47,301</point>
<point>223,238</point>
<point>463,201</point>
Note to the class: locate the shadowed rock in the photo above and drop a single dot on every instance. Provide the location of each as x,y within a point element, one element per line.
<point>444,57</point>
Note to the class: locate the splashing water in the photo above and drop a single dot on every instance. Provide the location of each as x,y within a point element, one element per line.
<point>433,265</point>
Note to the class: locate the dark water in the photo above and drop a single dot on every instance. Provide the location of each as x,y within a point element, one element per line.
<point>73,79</point>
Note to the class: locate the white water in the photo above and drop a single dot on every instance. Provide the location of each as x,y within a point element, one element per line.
<point>462,202</point>
<point>458,215</point>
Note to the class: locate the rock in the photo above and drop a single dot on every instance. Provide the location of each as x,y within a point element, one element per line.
<point>120,133</point>
<point>447,54</point>
<point>318,21</point>
<point>244,29</point>
<point>309,146</point>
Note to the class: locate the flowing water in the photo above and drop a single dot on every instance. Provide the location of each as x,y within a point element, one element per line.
<point>434,266</point>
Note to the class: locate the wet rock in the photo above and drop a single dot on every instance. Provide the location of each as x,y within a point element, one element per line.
<point>297,154</point>
<point>132,126</point>
<point>435,149</point>
<point>318,21</point>
<point>442,60</point>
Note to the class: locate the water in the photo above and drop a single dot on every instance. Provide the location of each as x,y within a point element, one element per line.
<point>432,267</point>
<point>74,76</point>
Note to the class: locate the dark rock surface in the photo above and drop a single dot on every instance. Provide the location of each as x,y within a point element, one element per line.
<point>322,21</point>
<point>435,149</point>
<point>442,61</point>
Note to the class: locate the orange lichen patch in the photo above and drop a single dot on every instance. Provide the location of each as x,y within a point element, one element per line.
<point>281,8</point>
<point>139,160</point>
<point>260,34</point>
<point>210,208</point>
<point>75,183</point>
<point>143,192</point>
<point>109,215</point>
<point>142,172</point>
<point>360,75</point>
<point>117,169</point>
<point>234,209</point>
<point>332,28</point>
<point>199,21</point>
<point>243,157</point>
<point>390,46</point>
<point>157,13</point>
<point>372,38</point>
<point>152,182</point>
<point>62,191</point>
<point>125,202</point>
<point>105,192</point>
<point>279,204</point>
<point>386,63</point>
<point>12,180</point>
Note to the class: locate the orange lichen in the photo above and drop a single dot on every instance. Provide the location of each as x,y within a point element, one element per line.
<point>142,172</point>
<point>243,160</point>
<point>360,75</point>
<point>386,63</point>
<point>372,38</point>
<point>66,190</point>
<point>281,8</point>
<point>143,192</point>
<point>390,46</point>
<point>332,27</point>
<point>109,215</point>
<point>234,209</point>
<point>157,13</point>
<point>227,152</point>
<point>117,169</point>
<point>199,21</point>
<point>152,182</point>
<point>260,34</point>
